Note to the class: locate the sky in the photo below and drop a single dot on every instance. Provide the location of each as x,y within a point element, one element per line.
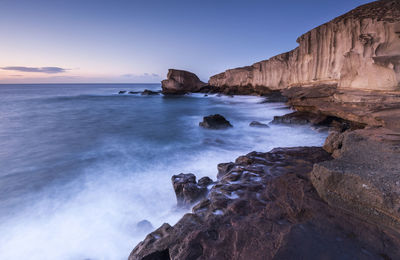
<point>137,41</point>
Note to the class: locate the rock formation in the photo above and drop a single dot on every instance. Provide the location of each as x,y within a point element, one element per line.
<point>364,178</point>
<point>358,50</point>
<point>181,82</point>
<point>263,206</point>
<point>187,190</point>
<point>215,122</point>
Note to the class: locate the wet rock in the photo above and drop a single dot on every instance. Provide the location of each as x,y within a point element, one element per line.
<point>144,226</point>
<point>134,92</point>
<point>147,92</point>
<point>122,92</point>
<point>187,190</point>
<point>267,208</point>
<point>258,124</point>
<point>224,168</point>
<point>181,82</point>
<point>215,122</point>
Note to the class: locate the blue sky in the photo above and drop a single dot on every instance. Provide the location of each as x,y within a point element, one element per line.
<point>138,40</point>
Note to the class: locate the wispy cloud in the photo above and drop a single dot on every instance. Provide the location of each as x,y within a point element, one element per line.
<point>140,75</point>
<point>47,70</point>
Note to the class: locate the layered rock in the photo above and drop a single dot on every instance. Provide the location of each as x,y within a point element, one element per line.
<point>263,206</point>
<point>364,179</point>
<point>181,82</point>
<point>359,50</point>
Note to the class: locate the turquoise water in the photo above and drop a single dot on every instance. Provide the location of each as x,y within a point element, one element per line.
<point>80,165</point>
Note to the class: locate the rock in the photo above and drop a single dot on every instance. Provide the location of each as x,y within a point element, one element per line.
<point>224,168</point>
<point>258,124</point>
<point>187,190</point>
<point>122,92</point>
<point>358,50</point>
<point>144,226</point>
<point>147,92</point>
<point>267,208</point>
<point>134,92</point>
<point>275,96</point>
<point>215,122</point>
<point>297,118</point>
<point>364,177</point>
<point>181,82</point>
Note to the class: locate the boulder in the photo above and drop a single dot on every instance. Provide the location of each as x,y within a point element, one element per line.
<point>181,82</point>
<point>267,208</point>
<point>215,122</point>
<point>187,190</point>
<point>258,124</point>
<point>122,92</point>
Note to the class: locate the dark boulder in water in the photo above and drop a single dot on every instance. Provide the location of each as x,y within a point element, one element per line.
<point>122,92</point>
<point>258,124</point>
<point>134,92</point>
<point>187,190</point>
<point>215,122</point>
<point>147,92</point>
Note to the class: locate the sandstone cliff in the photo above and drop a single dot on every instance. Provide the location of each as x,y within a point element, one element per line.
<point>358,50</point>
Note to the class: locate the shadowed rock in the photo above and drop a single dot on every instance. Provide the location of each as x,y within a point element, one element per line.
<point>187,190</point>
<point>147,92</point>
<point>122,92</point>
<point>263,206</point>
<point>215,122</point>
<point>181,82</point>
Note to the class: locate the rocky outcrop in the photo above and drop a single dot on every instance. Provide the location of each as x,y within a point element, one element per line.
<point>215,122</point>
<point>263,206</point>
<point>362,107</point>
<point>187,190</point>
<point>364,179</point>
<point>359,50</point>
<point>181,82</point>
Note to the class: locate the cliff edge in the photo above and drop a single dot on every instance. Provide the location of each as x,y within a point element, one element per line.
<point>358,50</point>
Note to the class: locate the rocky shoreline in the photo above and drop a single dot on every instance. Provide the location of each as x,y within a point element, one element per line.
<point>341,201</point>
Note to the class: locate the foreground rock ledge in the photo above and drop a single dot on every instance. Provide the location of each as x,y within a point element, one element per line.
<point>263,206</point>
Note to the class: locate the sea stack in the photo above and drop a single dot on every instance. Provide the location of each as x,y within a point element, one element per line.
<point>181,82</point>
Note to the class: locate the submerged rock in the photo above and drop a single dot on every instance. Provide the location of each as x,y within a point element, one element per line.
<point>181,82</point>
<point>265,207</point>
<point>215,122</point>
<point>122,92</point>
<point>187,190</point>
<point>258,124</point>
<point>144,226</point>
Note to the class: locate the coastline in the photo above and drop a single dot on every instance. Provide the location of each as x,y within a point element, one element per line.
<point>342,201</point>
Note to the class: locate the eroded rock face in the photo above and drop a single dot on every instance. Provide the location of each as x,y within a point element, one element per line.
<point>364,178</point>
<point>187,190</point>
<point>215,122</point>
<point>362,107</point>
<point>359,50</point>
<point>181,82</point>
<point>263,206</point>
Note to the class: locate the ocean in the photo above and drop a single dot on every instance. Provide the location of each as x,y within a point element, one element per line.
<point>81,165</point>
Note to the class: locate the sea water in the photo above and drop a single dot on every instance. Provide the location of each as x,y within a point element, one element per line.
<point>81,165</point>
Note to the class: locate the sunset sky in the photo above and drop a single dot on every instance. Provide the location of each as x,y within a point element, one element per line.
<point>94,41</point>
